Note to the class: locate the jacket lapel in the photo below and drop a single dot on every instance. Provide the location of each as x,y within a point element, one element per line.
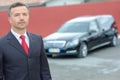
<point>14,42</point>
<point>31,44</point>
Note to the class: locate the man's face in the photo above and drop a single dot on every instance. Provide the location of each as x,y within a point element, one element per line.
<point>19,17</point>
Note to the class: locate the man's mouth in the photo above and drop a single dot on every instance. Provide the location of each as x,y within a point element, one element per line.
<point>21,23</point>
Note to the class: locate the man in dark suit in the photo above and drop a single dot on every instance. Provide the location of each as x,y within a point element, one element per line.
<point>17,63</point>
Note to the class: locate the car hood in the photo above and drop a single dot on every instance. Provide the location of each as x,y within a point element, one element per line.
<point>63,36</point>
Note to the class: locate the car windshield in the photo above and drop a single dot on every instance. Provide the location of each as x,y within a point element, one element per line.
<point>74,27</point>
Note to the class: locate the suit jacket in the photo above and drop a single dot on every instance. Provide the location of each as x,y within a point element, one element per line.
<point>16,65</point>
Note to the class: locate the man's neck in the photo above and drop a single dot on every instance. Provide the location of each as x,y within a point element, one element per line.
<point>21,32</point>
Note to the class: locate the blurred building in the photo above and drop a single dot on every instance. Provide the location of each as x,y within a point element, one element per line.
<point>4,4</point>
<point>8,2</point>
<point>63,2</point>
<point>69,2</point>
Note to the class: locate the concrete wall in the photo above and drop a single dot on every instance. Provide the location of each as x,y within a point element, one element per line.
<point>46,20</point>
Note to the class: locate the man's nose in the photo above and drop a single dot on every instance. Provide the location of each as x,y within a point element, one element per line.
<point>21,17</point>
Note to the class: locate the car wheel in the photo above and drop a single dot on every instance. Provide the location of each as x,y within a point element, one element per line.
<point>83,50</point>
<point>114,41</point>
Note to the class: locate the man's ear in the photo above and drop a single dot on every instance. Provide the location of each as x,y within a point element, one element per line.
<point>9,19</point>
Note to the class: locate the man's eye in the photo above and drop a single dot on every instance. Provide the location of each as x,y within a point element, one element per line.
<point>25,14</point>
<point>16,15</point>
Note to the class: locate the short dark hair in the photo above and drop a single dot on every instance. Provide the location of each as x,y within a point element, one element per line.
<point>17,4</point>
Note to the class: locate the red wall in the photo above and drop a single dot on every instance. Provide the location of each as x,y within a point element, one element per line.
<point>45,20</point>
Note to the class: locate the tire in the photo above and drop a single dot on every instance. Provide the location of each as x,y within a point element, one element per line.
<point>114,41</point>
<point>83,50</point>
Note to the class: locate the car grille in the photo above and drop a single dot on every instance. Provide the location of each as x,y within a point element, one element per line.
<point>55,44</point>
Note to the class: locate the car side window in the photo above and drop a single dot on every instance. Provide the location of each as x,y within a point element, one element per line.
<point>106,22</point>
<point>94,27</point>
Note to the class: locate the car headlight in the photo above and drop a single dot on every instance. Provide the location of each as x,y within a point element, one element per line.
<point>72,43</point>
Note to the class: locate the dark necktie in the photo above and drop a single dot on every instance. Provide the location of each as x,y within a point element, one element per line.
<point>24,44</point>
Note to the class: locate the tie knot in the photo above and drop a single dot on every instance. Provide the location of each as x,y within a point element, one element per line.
<point>22,37</point>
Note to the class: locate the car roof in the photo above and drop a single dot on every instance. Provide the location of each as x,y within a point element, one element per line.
<point>90,18</point>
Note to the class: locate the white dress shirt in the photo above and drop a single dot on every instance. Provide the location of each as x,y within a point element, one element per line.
<point>17,36</point>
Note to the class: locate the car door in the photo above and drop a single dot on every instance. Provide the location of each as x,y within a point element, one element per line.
<point>105,24</point>
<point>94,38</point>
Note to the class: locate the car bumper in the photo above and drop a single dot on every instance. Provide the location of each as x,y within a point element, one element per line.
<point>56,51</point>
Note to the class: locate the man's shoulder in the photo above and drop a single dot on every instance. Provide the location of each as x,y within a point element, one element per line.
<point>34,35</point>
<point>3,39</point>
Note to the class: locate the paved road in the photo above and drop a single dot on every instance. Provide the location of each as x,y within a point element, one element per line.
<point>101,64</point>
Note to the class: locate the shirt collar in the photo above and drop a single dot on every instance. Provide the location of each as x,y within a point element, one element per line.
<point>17,35</point>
